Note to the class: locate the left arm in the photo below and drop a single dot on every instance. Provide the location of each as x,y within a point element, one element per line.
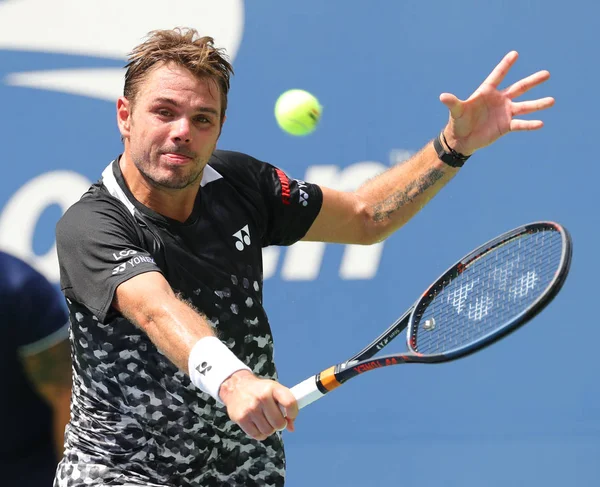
<point>50,374</point>
<point>384,204</point>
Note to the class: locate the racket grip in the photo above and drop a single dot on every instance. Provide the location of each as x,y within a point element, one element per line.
<point>306,392</point>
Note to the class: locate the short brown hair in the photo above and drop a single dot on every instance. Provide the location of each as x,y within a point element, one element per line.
<point>184,47</point>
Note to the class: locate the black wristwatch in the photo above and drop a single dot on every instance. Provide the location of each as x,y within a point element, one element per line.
<point>452,158</point>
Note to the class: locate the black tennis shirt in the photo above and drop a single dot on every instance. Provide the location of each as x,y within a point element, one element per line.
<point>136,418</point>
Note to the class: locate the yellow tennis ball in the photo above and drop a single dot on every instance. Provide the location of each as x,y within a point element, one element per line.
<point>298,112</point>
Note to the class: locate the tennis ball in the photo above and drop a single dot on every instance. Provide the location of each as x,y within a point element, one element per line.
<point>297,112</point>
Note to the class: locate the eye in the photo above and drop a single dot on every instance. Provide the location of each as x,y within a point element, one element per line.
<point>202,119</point>
<point>163,112</point>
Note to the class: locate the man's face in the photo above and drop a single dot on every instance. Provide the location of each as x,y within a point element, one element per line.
<point>172,128</point>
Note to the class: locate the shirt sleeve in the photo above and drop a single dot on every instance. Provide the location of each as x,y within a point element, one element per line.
<point>98,248</point>
<point>39,311</point>
<point>290,205</point>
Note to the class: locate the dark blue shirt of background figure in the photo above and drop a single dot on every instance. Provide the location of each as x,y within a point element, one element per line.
<point>36,375</point>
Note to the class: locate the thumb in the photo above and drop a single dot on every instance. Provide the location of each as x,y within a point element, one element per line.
<point>453,104</point>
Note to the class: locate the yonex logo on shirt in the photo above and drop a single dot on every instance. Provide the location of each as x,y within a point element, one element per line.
<point>303,198</point>
<point>138,259</point>
<point>303,195</point>
<point>243,238</point>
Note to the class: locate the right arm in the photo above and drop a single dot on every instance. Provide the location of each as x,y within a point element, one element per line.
<point>174,326</point>
<point>148,301</point>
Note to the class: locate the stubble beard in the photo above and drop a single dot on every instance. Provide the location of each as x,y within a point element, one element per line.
<point>178,178</point>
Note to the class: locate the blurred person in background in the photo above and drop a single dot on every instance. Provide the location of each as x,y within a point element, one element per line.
<point>35,365</point>
<point>161,263</point>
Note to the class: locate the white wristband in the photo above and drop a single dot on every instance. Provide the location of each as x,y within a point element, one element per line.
<point>210,363</point>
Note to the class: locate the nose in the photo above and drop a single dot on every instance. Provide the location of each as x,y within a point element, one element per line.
<point>180,131</point>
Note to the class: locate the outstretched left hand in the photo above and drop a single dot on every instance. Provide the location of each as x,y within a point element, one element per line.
<point>488,113</point>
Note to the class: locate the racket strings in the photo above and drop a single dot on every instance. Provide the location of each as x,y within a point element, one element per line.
<point>489,294</point>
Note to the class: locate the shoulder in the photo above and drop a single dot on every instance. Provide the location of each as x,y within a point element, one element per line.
<point>246,173</point>
<point>227,157</point>
<point>96,206</point>
<point>236,163</point>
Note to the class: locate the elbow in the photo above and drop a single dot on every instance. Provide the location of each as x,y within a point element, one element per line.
<point>375,227</point>
<point>135,304</point>
<point>370,230</point>
<point>373,236</point>
<point>142,315</point>
<point>148,317</point>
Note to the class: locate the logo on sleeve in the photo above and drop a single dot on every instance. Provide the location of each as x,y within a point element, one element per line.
<point>302,195</point>
<point>131,263</point>
<point>123,254</point>
<point>242,237</point>
<point>285,186</point>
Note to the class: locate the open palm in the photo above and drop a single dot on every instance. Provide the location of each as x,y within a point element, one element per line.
<point>489,113</point>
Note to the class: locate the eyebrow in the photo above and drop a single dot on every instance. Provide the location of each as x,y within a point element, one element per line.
<point>171,101</point>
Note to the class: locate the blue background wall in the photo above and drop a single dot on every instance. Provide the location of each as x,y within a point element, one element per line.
<point>525,412</point>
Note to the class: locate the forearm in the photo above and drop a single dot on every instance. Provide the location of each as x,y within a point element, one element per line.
<point>395,196</point>
<point>177,329</point>
<point>174,327</point>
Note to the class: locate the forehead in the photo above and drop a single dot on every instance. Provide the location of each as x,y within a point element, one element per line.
<point>178,83</point>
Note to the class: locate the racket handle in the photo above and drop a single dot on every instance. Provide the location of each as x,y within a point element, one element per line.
<point>306,392</point>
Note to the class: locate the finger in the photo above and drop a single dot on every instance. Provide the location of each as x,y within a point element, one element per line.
<point>274,416</point>
<point>290,425</point>
<point>286,399</point>
<point>453,104</point>
<point>251,429</point>
<point>520,125</point>
<point>525,107</point>
<point>500,71</point>
<point>523,86</point>
<point>263,424</point>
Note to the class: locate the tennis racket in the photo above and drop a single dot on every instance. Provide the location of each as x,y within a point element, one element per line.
<point>489,293</point>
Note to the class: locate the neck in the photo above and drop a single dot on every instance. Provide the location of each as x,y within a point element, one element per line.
<point>176,204</point>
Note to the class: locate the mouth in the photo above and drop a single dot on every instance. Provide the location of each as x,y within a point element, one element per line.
<point>177,158</point>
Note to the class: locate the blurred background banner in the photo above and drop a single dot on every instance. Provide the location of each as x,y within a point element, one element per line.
<point>525,412</point>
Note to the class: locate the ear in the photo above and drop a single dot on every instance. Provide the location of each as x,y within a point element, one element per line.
<point>124,116</point>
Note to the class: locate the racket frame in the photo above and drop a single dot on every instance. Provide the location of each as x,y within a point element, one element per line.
<point>325,381</point>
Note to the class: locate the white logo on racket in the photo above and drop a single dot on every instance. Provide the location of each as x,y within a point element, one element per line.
<point>502,274</point>
<point>523,284</point>
<point>481,308</point>
<point>243,238</point>
<point>459,296</point>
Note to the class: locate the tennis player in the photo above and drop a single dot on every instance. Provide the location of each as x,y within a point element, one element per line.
<point>35,363</point>
<point>174,379</point>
